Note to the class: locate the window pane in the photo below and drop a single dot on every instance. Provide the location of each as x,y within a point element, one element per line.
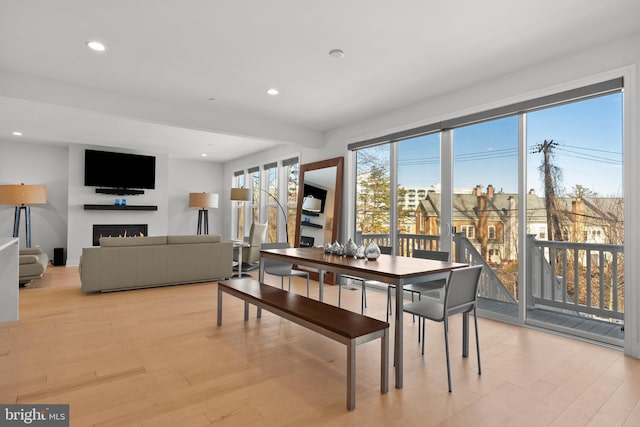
<point>418,194</point>
<point>373,195</point>
<point>485,165</point>
<point>577,208</point>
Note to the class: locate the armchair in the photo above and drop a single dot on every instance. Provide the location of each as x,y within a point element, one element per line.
<point>32,264</point>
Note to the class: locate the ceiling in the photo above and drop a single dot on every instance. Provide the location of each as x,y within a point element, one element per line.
<point>190,77</point>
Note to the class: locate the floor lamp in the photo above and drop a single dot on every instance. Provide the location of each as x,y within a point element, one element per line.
<point>203,201</point>
<point>244,192</point>
<point>22,196</point>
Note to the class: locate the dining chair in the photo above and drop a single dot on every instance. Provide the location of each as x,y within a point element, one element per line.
<point>460,297</point>
<point>431,286</point>
<point>281,269</point>
<point>251,253</point>
<point>385,250</point>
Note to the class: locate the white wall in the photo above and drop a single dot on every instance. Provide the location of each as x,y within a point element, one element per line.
<point>187,176</point>
<point>64,223</point>
<point>32,163</point>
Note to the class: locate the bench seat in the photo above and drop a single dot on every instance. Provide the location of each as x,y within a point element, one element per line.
<point>334,322</point>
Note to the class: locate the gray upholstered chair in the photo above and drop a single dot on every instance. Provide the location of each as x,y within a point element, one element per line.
<point>430,287</point>
<point>460,296</point>
<point>251,253</point>
<point>281,269</point>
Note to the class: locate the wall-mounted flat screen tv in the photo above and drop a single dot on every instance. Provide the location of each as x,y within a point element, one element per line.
<point>316,192</point>
<point>119,170</point>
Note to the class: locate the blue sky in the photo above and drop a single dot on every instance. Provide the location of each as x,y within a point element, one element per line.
<point>589,152</point>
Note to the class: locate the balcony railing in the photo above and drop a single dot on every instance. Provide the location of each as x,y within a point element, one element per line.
<point>582,279</point>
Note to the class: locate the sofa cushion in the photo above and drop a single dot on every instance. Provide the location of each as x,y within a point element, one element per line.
<point>31,251</point>
<point>132,241</point>
<point>199,238</point>
<point>28,259</point>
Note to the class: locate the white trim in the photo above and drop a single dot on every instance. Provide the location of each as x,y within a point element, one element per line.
<point>631,208</point>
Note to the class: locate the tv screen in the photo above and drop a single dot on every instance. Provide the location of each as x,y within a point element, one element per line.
<point>119,170</point>
<point>318,193</point>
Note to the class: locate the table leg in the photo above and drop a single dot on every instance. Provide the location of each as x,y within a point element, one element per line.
<point>261,272</point>
<point>320,285</point>
<point>398,344</point>
<point>219,307</point>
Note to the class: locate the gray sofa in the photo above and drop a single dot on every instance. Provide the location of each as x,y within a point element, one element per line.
<point>33,263</point>
<point>139,262</point>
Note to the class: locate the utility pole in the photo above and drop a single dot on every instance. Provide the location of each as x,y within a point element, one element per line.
<point>550,173</point>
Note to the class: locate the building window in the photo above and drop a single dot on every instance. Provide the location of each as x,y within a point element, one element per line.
<point>492,232</point>
<point>469,231</point>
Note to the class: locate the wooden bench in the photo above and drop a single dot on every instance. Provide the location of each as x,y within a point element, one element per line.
<point>342,325</point>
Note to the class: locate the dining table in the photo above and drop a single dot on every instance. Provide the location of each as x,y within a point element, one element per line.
<point>390,269</point>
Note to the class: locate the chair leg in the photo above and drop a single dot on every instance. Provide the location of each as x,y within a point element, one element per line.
<point>446,347</point>
<point>423,334</point>
<point>282,283</point>
<point>475,321</point>
<point>420,327</point>
<point>339,293</point>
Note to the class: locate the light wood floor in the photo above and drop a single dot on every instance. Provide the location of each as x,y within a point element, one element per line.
<point>155,357</point>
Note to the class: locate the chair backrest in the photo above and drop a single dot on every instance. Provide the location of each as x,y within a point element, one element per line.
<point>461,291</point>
<point>267,262</point>
<point>437,255</point>
<point>257,235</point>
<point>386,250</point>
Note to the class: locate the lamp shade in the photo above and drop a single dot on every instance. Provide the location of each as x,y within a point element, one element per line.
<point>203,200</point>
<point>240,194</point>
<point>311,204</point>
<point>21,194</point>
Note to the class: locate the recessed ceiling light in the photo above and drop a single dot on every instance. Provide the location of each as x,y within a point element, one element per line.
<point>204,154</point>
<point>336,53</point>
<point>95,45</point>
<point>16,133</point>
<point>273,91</point>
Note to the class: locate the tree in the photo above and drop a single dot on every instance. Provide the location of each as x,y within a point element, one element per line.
<point>374,200</point>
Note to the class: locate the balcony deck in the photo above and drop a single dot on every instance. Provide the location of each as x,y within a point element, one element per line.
<point>565,321</point>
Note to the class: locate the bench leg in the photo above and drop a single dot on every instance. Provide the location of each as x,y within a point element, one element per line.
<point>219,306</point>
<point>246,311</point>
<point>384,362</point>
<point>351,375</point>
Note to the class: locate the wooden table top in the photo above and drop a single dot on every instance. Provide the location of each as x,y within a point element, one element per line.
<point>392,267</point>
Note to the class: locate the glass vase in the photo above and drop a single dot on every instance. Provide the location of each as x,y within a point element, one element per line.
<point>372,252</point>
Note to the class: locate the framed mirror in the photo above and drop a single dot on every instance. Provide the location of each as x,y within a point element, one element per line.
<point>319,201</point>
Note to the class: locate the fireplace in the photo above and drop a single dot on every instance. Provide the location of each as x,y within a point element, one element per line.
<point>117,230</point>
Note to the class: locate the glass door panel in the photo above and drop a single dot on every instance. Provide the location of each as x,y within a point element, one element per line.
<point>419,194</point>
<point>485,210</point>
<point>373,195</point>
<point>575,218</point>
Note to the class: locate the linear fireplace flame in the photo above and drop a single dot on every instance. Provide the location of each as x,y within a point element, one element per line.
<point>118,230</point>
